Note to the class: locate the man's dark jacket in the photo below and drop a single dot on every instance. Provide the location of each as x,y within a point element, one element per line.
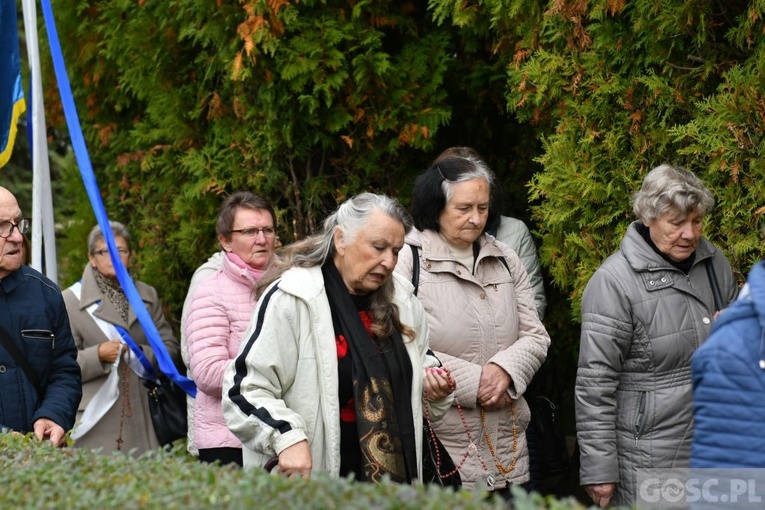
<point>32,312</point>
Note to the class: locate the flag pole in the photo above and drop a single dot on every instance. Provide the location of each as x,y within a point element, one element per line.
<point>43,228</point>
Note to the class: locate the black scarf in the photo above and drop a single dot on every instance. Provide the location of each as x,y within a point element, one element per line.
<point>382,388</point>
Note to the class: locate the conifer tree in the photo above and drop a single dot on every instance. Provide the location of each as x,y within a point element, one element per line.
<point>615,88</point>
<point>305,103</point>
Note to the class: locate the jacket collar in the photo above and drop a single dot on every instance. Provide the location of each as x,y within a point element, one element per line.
<point>90,292</point>
<point>13,280</point>
<point>237,273</point>
<point>641,257</point>
<point>435,249</point>
<point>307,283</point>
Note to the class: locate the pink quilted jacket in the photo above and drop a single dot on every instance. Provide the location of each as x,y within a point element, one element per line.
<point>218,317</point>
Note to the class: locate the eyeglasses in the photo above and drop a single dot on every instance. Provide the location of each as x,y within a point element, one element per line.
<point>252,232</point>
<point>122,251</point>
<point>6,227</point>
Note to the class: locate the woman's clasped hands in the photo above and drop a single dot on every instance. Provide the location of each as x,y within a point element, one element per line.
<point>439,383</point>
<point>492,389</point>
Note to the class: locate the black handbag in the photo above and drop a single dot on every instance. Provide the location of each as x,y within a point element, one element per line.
<point>548,452</point>
<point>167,407</point>
<point>437,465</point>
<point>712,275</point>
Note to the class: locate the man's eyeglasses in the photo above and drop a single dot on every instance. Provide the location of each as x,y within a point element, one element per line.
<point>252,232</point>
<point>122,251</point>
<point>6,227</point>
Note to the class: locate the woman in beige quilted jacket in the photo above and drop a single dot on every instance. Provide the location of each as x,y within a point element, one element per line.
<point>483,322</point>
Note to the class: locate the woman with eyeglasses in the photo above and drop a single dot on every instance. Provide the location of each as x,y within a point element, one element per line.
<point>219,313</point>
<point>118,409</point>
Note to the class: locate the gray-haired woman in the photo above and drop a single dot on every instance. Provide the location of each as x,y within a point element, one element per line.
<point>96,305</point>
<point>483,321</point>
<point>331,370</point>
<point>645,311</point>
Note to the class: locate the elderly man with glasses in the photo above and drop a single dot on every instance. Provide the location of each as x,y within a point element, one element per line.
<point>40,385</point>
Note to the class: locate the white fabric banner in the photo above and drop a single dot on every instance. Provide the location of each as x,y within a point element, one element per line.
<point>109,392</point>
<point>101,402</point>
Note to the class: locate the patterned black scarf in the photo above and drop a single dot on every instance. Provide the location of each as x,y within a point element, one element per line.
<point>113,292</point>
<point>382,388</point>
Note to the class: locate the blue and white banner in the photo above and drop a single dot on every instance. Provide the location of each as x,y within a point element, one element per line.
<point>11,91</point>
<point>164,361</point>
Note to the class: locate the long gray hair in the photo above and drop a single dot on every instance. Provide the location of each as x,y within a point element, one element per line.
<point>351,217</point>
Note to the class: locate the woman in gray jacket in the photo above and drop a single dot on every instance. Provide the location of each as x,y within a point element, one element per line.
<point>645,311</point>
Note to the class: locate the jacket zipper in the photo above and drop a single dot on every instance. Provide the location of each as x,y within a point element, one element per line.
<point>36,333</point>
<point>639,418</point>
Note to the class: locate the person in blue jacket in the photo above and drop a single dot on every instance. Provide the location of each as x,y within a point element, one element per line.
<point>34,319</point>
<point>729,384</point>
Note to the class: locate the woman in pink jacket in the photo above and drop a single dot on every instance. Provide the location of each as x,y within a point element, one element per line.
<point>220,312</point>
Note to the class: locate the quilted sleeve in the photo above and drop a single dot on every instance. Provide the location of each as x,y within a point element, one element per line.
<point>523,358</point>
<point>207,338</point>
<point>605,341</point>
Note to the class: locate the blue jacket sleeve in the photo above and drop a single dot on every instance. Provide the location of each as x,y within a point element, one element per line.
<point>63,388</point>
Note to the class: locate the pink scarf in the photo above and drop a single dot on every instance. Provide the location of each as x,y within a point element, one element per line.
<point>245,268</point>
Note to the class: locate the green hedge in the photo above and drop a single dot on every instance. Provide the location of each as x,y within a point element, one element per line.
<point>36,475</point>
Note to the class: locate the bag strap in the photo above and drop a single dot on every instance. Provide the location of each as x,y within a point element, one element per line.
<point>504,263</point>
<point>20,360</point>
<point>415,267</point>
<point>716,294</point>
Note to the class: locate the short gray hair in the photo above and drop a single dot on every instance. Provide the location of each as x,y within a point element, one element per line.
<point>671,188</point>
<point>96,235</point>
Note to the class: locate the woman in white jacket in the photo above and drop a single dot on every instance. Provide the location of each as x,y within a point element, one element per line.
<point>331,371</point>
